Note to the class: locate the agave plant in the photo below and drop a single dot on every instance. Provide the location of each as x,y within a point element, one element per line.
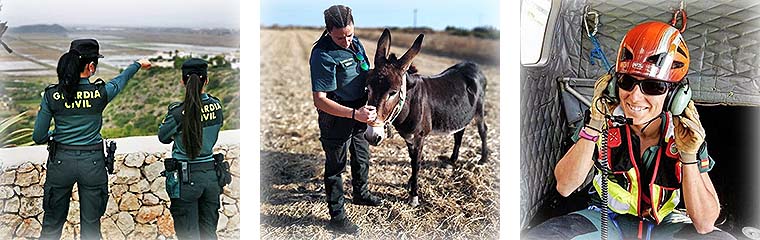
<point>10,136</point>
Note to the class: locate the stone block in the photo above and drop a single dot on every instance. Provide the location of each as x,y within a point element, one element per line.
<point>6,192</point>
<point>25,179</point>
<point>135,159</point>
<point>128,175</point>
<point>139,187</point>
<point>152,171</point>
<point>159,188</point>
<point>166,224</point>
<point>30,207</point>
<point>148,214</point>
<point>10,223</point>
<point>233,223</point>
<point>129,202</point>
<point>12,205</point>
<point>32,191</point>
<point>73,216</point>
<point>26,167</point>
<point>125,222</point>
<point>152,158</point>
<point>109,230</point>
<point>111,206</point>
<point>222,224</point>
<point>144,231</point>
<point>118,190</point>
<point>7,177</point>
<point>230,210</point>
<point>150,199</point>
<point>29,228</point>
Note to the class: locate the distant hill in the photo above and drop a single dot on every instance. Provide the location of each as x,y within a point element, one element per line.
<point>140,108</point>
<point>40,28</point>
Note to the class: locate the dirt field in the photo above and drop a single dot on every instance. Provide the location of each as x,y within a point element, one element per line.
<point>456,203</point>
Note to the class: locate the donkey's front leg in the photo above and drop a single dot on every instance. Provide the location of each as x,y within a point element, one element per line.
<point>415,153</point>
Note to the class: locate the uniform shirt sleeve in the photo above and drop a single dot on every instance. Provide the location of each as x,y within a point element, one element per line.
<point>118,83</point>
<point>322,72</point>
<point>42,123</point>
<point>706,163</point>
<point>167,129</point>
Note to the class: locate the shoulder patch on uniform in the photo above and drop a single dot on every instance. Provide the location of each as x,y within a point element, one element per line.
<point>99,82</point>
<point>51,86</point>
<point>174,105</point>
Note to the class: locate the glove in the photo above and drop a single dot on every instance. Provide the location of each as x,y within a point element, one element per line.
<point>689,133</point>
<point>598,104</point>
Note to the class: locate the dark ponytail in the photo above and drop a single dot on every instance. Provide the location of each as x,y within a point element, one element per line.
<point>192,132</point>
<point>337,16</point>
<point>70,65</point>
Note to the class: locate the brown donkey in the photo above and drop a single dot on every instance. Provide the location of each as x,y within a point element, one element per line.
<point>420,105</point>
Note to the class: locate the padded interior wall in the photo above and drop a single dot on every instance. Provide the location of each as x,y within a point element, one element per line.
<point>542,122</point>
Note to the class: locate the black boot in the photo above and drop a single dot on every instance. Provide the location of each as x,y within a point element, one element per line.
<point>343,225</point>
<point>367,200</point>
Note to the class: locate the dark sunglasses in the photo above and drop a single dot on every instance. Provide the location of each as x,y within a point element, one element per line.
<point>364,64</point>
<point>647,86</point>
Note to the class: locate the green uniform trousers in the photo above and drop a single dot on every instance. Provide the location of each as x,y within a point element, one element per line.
<point>338,136</point>
<point>196,211</point>
<point>88,170</point>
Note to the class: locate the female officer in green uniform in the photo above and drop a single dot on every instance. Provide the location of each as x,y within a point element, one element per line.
<point>76,145</point>
<point>339,69</point>
<point>193,125</point>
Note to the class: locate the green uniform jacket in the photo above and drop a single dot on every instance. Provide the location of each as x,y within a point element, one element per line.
<point>79,122</point>
<point>338,70</point>
<point>211,120</point>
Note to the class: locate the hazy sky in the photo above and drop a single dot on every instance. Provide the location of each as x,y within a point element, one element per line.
<point>378,13</point>
<point>137,13</point>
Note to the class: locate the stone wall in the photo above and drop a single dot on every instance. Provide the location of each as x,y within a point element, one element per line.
<point>138,206</point>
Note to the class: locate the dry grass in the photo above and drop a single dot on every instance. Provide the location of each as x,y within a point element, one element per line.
<point>456,203</point>
<point>484,51</point>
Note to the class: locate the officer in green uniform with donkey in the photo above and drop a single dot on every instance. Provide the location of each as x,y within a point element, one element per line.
<point>339,69</point>
<point>75,145</point>
<point>195,175</point>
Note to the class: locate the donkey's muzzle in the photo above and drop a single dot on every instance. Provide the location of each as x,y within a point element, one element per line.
<point>374,135</point>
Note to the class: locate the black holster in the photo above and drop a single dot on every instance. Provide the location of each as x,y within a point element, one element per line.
<point>51,147</point>
<point>222,168</point>
<point>110,156</point>
<point>172,165</point>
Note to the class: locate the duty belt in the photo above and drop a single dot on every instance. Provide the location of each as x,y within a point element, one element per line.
<point>202,166</point>
<point>93,147</point>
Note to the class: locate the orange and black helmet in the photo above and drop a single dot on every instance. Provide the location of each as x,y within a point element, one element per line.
<point>653,50</point>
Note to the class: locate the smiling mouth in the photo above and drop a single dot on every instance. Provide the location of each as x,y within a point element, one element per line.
<point>637,108</point>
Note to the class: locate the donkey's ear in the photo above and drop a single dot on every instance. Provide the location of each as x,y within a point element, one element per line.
<point>383,47</point>
<point>406,60</point>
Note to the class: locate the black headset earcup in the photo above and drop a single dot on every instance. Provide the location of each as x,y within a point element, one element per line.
<point>679,99</point>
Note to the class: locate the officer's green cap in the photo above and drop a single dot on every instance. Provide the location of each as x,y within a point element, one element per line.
<point>87,48</point>
<point>195,65</point>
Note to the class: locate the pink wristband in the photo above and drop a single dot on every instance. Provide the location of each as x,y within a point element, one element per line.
<point>583,134</point>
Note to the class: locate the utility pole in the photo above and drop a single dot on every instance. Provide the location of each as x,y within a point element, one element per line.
<point>415,18</point>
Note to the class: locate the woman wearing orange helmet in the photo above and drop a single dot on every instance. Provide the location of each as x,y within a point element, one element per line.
<point>655,149</point>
